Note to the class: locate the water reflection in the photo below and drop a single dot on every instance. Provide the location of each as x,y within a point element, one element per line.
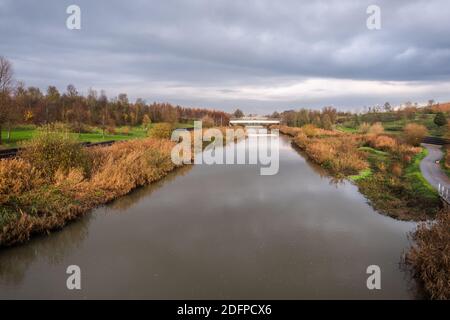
<point>124,203</point>
<point>15,261</point>
<point>222,231</point>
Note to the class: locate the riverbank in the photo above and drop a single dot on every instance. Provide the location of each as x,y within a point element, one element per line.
<point>385,170</point>
<point>34,200</point>
<point>55,180</point>
<point>430,256</point>
<point>388,174</point>
<point>288,229</point>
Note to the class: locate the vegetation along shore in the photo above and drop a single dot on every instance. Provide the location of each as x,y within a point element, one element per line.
<point>383,160</point>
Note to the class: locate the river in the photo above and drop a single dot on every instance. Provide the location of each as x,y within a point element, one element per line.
<point>221,232</point>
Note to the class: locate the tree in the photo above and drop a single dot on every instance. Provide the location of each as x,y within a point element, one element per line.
<point>146,121</point>
<point>207,122</point>
<point>326,122</point>
<point>275,115</point>
<point>440,119</point>
<point>161,130</point>
<point>51,104</point>
<point>414,133</point>
<point>6,85</point>
<point>238,113</point>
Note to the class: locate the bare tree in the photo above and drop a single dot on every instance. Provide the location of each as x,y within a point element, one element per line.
<point>6,86</point>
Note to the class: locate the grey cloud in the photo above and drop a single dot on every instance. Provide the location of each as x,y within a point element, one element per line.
<point>226,44</point>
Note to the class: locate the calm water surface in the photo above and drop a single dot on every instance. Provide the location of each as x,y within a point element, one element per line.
<point>221,231</point>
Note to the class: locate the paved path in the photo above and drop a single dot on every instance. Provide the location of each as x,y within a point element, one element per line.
<point>431,170</point>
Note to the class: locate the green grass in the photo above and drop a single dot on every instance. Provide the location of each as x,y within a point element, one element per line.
<point>395,127</point>
<point>23,133</point>
<point>415,177</point>
<point>374,151</point>
<point>134,133</point>
<point>442,162</point>
<point>361,175</point>
<point>346,129</point>
<point>17,134</point>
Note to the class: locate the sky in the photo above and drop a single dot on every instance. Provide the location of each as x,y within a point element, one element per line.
<point>257,55</point>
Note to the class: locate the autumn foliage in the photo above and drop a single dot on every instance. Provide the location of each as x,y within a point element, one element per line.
<point>35,199</point>
<point>430,256</point>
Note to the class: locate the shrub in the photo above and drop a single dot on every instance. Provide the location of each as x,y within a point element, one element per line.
<point>301,140</point>
<point>376,128</point>
<point>440,119</point>
<point>364,127</point>
<point>146,121</point>
<point>16,177</point>
<point>207,122</point>
<point>161,130</point>
<point>126,165</point>
<point>414,133</point>
<point>383,143</point>
<point>125,131</point>
<point>338,154</point>
<point>309,130</point>
<point>111,130</point>
<point>50,151</point>
<point>396,169</point>
<point>447,158</point>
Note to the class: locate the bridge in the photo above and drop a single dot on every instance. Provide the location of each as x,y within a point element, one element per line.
<point>254,121</point>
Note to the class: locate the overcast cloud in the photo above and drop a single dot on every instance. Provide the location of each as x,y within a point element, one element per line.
<point>259,55</point>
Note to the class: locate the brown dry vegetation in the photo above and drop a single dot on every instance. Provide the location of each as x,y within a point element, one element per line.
<point>33,200</point>
<point>430,256</point>
<point>55,180</point>
<point>394,186</point>
<point>382,166</point>
<point>447,158</point>
<point>340,156</point>
<point>414,133</point>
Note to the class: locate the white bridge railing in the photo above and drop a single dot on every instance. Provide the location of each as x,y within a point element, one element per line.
<point>444,193</point>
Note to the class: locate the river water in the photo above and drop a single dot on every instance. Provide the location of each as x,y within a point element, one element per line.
<point>221,232</point>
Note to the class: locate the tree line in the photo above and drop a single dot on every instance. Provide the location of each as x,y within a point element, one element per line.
<point>29,105</point>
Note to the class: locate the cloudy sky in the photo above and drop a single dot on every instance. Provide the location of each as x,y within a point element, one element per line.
<point>259,55</point>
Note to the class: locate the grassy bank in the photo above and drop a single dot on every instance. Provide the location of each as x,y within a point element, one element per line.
<point>21,134</point>
<point>390,177</point>
<point>396,126</point>
<point>40,191</point>
<point>429,257</point>
<point>385,170</point>
<point>445,162</point>
<point>55,180</point>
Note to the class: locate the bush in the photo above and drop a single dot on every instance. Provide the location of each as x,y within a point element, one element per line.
<point>50,151</point>
<point>161,130</point>
<point>17,176</point>
<point>430,256</point>
<point>383,143</point>
<point>207,122</point>
<point>338,154</point>
<point>364,127</point>
<point>376,128</point>
<point>396,169</point>
<point>440,119</point>
<point>414,133</point>
<point>125,131</point>
<point>111,130</point>
<point>310,130</point>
